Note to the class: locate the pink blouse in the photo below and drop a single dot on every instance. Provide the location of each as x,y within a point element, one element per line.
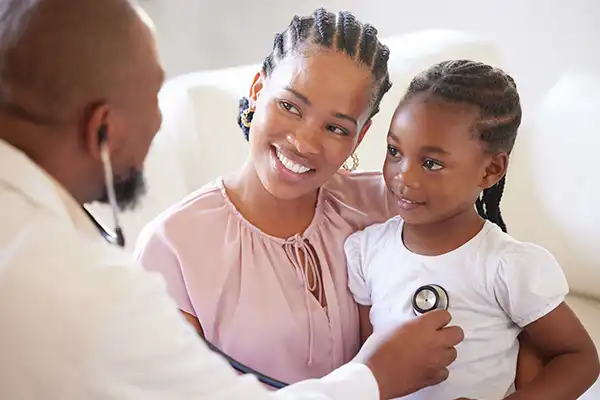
<point>248,289</point>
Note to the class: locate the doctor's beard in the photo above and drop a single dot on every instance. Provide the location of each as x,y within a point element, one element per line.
<point>129,190</point>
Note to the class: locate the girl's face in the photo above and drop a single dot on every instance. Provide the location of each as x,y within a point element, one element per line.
<point>310,115</point>
<point>436,166</point>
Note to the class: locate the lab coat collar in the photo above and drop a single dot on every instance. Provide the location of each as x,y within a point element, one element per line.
<point>19,173</point>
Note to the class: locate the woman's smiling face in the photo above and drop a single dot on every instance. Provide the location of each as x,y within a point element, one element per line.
<point>310,114</point>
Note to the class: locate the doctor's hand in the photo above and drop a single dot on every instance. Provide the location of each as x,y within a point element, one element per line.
<point>415,355</point>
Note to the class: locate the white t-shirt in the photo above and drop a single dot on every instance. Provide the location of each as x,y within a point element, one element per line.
<point>496,286</point>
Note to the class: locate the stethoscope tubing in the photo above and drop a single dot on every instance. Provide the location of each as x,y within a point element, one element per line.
<point>244,369</point>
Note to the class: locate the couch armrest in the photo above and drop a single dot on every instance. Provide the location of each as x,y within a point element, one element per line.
<point>588,311</point>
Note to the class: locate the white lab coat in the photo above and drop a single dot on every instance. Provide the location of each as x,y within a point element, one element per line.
<point>80,320</point>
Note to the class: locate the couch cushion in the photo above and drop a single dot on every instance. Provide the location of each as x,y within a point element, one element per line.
<point>553,189</point>
<point>588,311</point>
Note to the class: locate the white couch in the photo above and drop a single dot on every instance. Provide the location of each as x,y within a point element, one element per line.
<point>550,196</point>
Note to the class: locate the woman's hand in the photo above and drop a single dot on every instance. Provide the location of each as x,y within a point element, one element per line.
<point>194,322</point>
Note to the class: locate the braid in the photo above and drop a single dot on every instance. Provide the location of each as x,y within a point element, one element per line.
<point>342,33</point>
<point>278,46</point>
<point>492,197</point>
<point>325,27</point>
<point>495,94</point>
<point>488,205</point>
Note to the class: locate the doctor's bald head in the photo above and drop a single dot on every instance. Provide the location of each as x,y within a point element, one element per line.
<point>69,69</point>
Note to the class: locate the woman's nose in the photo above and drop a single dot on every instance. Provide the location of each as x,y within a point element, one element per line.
<point>306,141</point>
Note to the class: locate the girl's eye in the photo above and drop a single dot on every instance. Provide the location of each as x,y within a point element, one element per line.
<point>289,107</point>
<point>431,165</point>
<point>337,130</point>
<point>392,151</point>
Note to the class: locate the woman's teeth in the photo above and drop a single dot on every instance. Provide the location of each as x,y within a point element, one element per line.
<point>290,165</point>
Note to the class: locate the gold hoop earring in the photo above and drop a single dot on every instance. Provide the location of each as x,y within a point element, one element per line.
<point>354,159</point>
<point>244,117</point>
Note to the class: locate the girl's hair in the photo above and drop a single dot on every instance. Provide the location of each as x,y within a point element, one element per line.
<point>342,33</point>
<point>495,94</point>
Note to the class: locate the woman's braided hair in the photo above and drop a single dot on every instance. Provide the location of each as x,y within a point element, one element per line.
<point>495,94</point>
<point>343,33</point>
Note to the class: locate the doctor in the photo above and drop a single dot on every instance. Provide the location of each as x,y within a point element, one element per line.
<point>78,111</point>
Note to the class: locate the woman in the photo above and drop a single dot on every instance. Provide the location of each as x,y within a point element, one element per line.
<point>255,260</point>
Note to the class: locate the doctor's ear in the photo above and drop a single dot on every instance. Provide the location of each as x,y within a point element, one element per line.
<point>97,129</point>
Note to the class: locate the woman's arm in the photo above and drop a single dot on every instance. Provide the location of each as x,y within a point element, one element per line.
<point>573,359</point>
<point>366,329</point>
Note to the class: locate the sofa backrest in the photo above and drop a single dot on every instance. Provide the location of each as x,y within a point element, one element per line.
<point>554,197</point>
<point>213,140</point>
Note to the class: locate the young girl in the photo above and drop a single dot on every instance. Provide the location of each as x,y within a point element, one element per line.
<point>448,151</point>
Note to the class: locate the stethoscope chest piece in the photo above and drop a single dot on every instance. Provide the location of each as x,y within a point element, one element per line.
<point>428,298</point>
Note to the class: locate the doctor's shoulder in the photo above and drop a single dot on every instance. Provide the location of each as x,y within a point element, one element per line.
<point>60,276</point>
<point>46,256</point>
<point>76,308</point>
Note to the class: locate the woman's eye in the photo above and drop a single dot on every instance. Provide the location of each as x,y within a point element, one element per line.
<point>289,107</point>
<point>392,151</point>
<point>337,130</point>
<point>431,165</point>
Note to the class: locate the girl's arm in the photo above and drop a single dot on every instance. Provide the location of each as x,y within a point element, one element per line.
<point>573,364</point>
<point>529,363</point>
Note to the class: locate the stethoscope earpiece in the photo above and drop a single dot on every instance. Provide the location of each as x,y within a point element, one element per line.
<point>428,298</point>
<point>102,134</point>
<point>118,237</point>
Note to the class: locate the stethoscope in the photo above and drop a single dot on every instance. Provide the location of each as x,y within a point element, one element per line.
<point>426,298</point>
<point>117,237</point>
